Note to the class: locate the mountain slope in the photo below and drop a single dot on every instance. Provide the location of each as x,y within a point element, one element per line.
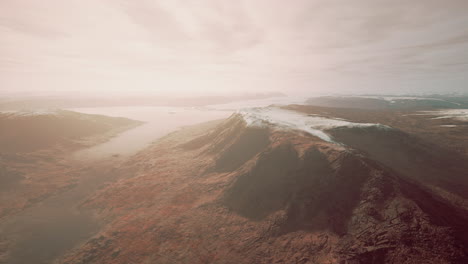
<point>27,131</point>
<point>34,147</point>
<point>269,192</point>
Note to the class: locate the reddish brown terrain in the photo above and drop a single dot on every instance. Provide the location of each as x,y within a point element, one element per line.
<point>40,181</point>
<point>34,151</point>
<point>226,192</point>
<point>419,124</point>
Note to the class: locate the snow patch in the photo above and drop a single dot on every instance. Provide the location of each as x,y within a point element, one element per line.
<point>458,114</point>
<point>286,119</point>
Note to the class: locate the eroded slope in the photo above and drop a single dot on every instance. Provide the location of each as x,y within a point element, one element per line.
<point>263,193</point>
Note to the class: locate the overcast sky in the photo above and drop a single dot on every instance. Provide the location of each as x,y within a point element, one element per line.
<point>226,46</point>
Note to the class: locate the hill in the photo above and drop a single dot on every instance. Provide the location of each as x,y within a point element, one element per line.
<point>279,186</point>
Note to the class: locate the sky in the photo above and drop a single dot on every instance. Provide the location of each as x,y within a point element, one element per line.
<point>202,47</point>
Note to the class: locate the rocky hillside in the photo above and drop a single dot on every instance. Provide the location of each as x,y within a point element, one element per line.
<point>268,187</point>
<point>27,131</point>
<point>34,147</point>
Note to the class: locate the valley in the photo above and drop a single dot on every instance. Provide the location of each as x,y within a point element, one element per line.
<point>290,183</point>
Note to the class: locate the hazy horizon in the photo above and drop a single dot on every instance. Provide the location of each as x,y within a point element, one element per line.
<point>181,48</point>
<point>220,131</point>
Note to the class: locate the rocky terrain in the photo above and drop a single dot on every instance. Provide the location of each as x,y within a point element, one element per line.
<point>34,151</point>
<point>297,185</point>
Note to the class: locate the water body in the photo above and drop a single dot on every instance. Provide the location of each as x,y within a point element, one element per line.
<point>50,228</point>
<point>159,121</point>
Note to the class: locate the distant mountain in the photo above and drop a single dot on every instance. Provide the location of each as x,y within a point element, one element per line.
<point>26,131</point>
<point>390,102</point>
<point>41,102</point>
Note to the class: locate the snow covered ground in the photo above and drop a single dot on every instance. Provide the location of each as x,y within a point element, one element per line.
<point>458,114</point>
<point>286,119</point>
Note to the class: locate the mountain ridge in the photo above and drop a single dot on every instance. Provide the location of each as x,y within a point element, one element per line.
<point>290,198</point>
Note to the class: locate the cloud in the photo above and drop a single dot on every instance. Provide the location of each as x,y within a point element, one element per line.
<point>217,46</point>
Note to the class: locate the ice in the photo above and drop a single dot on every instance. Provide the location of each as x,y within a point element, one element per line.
<point>287,119</point>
